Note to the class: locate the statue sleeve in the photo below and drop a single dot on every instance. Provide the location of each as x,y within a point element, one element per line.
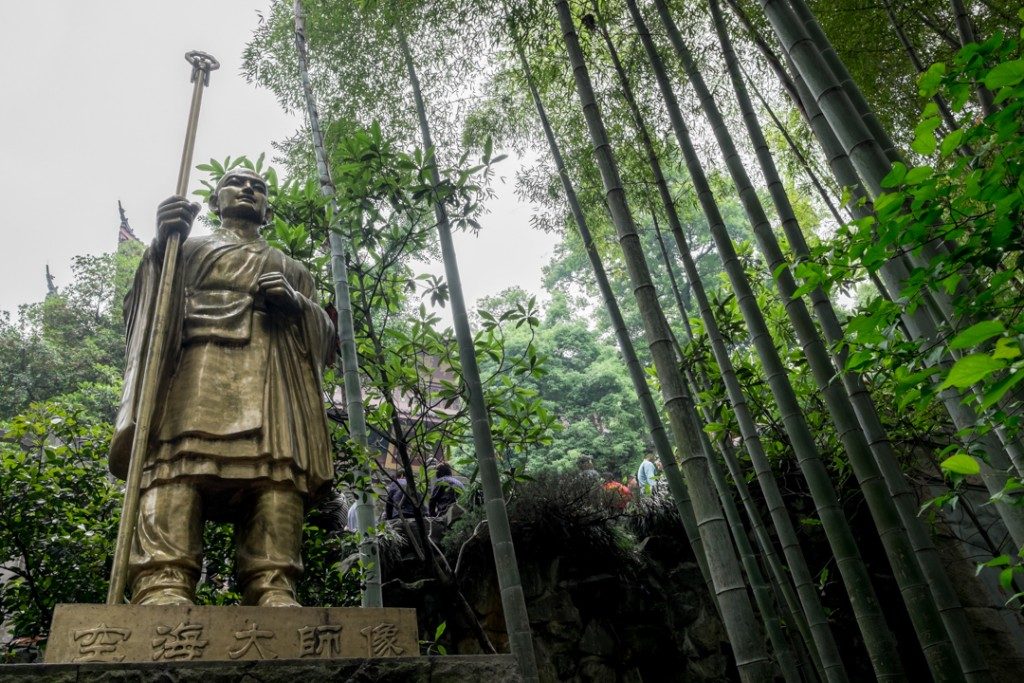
<point>138,314</point>
<point>320,330</point>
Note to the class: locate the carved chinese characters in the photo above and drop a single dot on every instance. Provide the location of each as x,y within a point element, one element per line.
<point>100,643</point>
<point>320,641</point>
<point>179,642</point>
<point>122,633</point>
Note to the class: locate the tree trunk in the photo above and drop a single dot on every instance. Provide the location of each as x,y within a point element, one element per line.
<point>365,517</point>
<point>737,614</point>
<point>513,602</point>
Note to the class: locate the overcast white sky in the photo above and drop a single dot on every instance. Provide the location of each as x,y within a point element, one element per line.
<point>95,97</point>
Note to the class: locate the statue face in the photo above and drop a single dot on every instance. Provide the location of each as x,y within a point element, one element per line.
<point>243,195</point>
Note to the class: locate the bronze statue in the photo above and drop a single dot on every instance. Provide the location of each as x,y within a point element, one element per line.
<point>239,431</point>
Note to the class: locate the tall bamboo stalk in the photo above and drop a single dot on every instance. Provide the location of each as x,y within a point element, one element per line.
<point>823,494</point>
<point>935,575</point>
<point>929,250</point>
<point>842,74</point>
<point>737,614</point>
<point>762,596</point>
<point>857,157</point>
<point>909,577</point>
<point>782,582</point>
<point>648,408</point>
<point>368,553</point>
<point>965,29</point>
<point>513,601</point>
<point>878,639</point>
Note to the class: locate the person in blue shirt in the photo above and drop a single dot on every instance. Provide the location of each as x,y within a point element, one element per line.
<point>645,475</point>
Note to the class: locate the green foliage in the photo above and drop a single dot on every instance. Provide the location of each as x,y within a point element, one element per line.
<point>583,387</point>
<point>62,511</point>
<point>73,340</point>
<point>957,214</point>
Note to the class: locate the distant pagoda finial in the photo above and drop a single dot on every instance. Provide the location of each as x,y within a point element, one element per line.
<point>124,232</point>
<point>51,289</point>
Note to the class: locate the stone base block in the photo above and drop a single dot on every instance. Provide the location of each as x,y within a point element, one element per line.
<point>455,669</point>
<point>85,634</point>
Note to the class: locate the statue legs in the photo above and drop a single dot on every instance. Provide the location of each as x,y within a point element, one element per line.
<point>166,556</point>
<point>268,542</point>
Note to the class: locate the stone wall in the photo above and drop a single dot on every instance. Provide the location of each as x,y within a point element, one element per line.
<point>606,603</point>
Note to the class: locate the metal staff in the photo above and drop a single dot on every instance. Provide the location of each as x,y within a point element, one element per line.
<point>202,65</point>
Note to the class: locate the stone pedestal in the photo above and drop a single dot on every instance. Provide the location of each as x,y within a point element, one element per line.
<point>85,634</point>
<point>453,669</point>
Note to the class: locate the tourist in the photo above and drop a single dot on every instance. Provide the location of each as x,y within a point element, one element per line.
<point>645,475</point>
<point>617,494</point>
<point>400,500</point>
<point>586,465</point>
<point>445,491</point>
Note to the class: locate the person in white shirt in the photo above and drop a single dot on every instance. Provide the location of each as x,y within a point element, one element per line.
<point>645,475</point>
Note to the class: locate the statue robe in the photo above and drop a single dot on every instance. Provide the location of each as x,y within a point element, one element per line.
<point>240,394</point>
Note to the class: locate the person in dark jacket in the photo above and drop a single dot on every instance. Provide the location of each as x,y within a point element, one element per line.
<point>399,503</point>
<point>445,491</point>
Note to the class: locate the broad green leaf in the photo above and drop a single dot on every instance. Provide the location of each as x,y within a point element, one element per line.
<point>1006,348</point>
<point>918,174</point>
<point>1007,73</point>
<point>961,463</point>
<point>928,82</point>
<point>924,136</point>
<point>976,334</point>
<point>1000,561</point>
<point>971,369</point>
<point>895,176</point>
<point>1006,577</point>
<point>997,391</point>
<point>951,142</point>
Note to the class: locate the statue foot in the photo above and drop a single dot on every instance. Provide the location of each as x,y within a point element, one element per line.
<point>169,597</point>
<point>277,599</point>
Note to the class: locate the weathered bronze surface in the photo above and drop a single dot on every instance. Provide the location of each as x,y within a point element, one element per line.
<point>166,633</point>
<point>239,431</point>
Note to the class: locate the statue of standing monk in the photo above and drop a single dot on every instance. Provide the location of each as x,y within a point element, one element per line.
<point>239,430</point>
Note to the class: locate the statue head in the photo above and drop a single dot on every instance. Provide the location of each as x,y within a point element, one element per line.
<point>241,194</point>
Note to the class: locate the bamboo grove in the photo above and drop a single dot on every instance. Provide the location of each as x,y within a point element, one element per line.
<point>846,256</point>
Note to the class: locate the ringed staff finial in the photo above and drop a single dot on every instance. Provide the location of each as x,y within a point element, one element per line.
<point>202,63</point>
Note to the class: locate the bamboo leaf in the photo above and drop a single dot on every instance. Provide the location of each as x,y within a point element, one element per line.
<point>1007,73</point>
<point>994,394</point>
<point>971,369</point>
<point>961,463</point>
<point>976,334</point>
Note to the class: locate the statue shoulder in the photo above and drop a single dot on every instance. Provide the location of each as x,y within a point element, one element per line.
<point>196,242</point>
